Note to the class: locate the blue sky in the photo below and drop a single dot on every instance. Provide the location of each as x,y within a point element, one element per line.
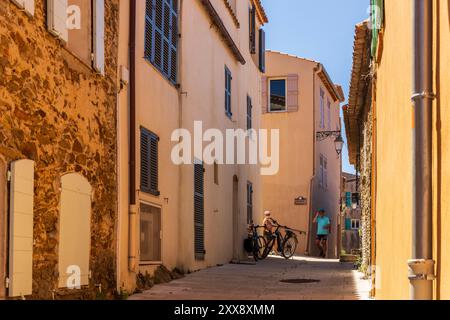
<point>321,30</point>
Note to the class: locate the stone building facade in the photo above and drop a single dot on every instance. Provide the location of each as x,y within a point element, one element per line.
<point>59,112</point>
<point>358,117</point>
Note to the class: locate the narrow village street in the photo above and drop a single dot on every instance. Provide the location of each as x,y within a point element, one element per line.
<point>265,281</point>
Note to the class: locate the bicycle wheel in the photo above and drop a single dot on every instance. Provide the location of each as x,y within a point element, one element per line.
<point>289,247</point>
<point>259,246</point>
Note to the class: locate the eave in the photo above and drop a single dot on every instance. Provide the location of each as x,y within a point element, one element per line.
<point>262,16</point>
<point>217,21</point>
<point>359,89</point>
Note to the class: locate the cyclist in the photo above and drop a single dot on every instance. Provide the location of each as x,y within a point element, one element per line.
<point>269,224</point>
<point>323,230</point>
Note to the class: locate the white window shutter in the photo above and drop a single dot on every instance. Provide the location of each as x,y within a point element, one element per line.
<point>27,5</point>
<point>74,229</point>
<point>99,36</point>
<point>57,18</point>
<point>292,93</point>
<point>21,228</point>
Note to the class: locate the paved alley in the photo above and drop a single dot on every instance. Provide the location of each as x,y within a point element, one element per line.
<point>265,280</point>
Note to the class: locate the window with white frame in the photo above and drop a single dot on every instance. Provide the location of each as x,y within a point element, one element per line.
<point>322,109</point>
<point>278,94</point>
<point>85,38</point>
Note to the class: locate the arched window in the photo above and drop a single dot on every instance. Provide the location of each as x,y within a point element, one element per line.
<point>74,231</point>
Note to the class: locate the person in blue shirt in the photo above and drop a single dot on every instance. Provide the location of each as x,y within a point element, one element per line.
<point>323,230</point>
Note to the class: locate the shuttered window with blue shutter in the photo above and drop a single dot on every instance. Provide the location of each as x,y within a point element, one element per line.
<point>199,211</point>
<point>228,79</point>
<point>149,162</point>
<point>161,36</point>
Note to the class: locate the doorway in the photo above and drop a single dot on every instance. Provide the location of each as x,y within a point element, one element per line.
<point>3,227</point>
<point>236,236</point>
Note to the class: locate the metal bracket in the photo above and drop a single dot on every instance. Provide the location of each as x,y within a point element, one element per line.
<point>423,95</point>
<point>421,270</point>
<point>322,135</point>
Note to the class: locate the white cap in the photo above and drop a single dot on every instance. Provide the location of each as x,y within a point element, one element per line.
<point>267,213</point>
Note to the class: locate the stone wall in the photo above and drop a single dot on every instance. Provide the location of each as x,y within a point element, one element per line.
<point>57,111</point>
<point>366,188</point>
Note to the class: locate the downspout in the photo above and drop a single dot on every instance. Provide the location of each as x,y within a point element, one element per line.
<point>421,266</point>
<point>132,223</point>
<point>316,69</point>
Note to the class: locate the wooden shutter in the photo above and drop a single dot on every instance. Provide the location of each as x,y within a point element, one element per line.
<point>292,93</point>
<point>228,79</point>
<point>325,173</point>
<point>161,36</point>
<point>21,228</point>
<point>149,162</point>
<point>57,18</point>
<point>99,36</point>
<point>74,228</point>
<point>252,26</point>
<point>199,211</point>
<point>249,202</point>
<point>262,50</point>
<point>249,113</point>
<point>27,5</point>
<point>264,95</point>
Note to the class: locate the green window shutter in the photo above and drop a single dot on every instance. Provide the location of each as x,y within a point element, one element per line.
<point>199,211</point>
<point>377,20</point>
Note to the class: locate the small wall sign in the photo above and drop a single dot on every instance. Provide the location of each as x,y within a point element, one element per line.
<point>301,201</point>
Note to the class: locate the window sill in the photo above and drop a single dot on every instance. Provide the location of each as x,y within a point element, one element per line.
<point>150,263</point>
<point>173,84</point>
<point>152,193</point>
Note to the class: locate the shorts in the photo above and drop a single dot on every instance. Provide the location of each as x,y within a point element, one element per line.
<point>321,237</point>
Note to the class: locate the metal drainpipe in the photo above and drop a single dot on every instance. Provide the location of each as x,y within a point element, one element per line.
<point>132,221</point>
<point>421,266</point>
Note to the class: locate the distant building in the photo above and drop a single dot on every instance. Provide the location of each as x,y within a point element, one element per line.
<point>299,99</point>
<point>350,214</point>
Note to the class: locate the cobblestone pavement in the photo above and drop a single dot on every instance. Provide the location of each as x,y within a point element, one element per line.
<point>337,281</point>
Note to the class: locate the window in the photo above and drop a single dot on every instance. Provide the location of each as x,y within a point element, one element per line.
<point>262,50</point>
<point>149,162</point>
<point>323,172</point>
<point>355,198</point>
<point>249,203</point>
<point>322,109</point>
<point>252,29</point>
<point>249,113</point>
<point>161,36</point>
<point>150,235</point>
<point>329,113</point>
<point>228,79</point>
<point>26,5</point>
<point>84,37</point>
<point>278,95</point>
<point>199,211</point>
<point>356,224</point>
<point>21,200</point>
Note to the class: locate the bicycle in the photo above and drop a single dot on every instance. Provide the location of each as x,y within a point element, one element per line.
<point>286,245</point>
<point>255,243</point>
